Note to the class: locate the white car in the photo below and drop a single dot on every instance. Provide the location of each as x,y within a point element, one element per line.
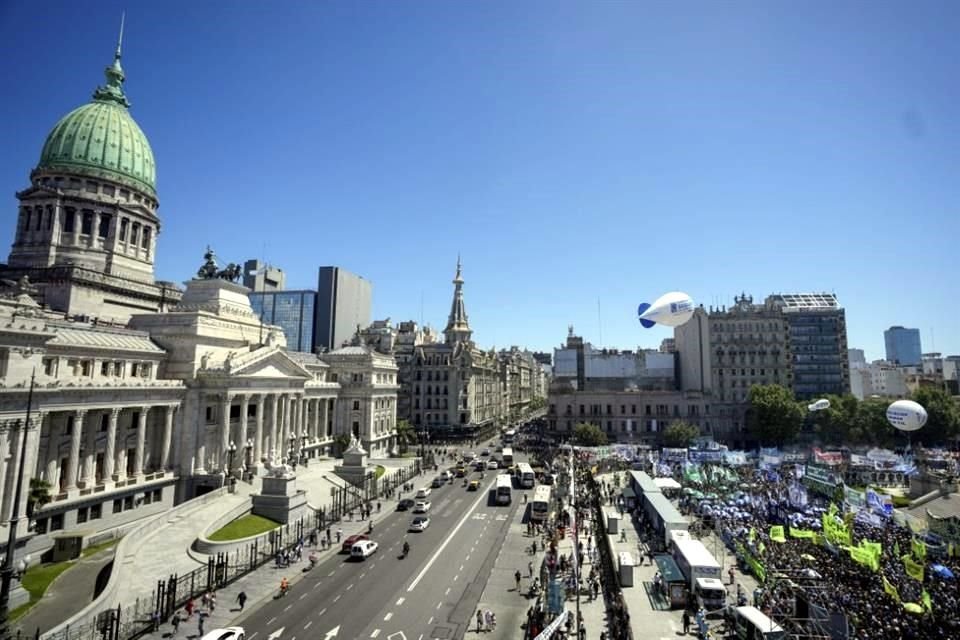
<point>363,549</point>
<point>420,523</point>
<point>492,464</point>
<point>422,506</point>
<point>423,492</point>
<point>227,633</point>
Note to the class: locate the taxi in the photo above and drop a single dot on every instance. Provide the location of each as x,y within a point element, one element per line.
<point>474,485</point>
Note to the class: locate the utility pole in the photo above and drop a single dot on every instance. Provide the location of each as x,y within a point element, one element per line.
<point>6,572</point>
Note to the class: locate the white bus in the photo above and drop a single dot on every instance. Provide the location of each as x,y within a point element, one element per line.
<point>507,457</point>
<point>753,624</point>
<point>525,475</point>
<point>509,436</point>
<point>540,507</point>
<point>504,488</point>
<point>702,572</point>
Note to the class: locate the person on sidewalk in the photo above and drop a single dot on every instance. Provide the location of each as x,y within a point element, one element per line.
<point>517,577</point>
<point>201,616</point>
<point>479,620</point>
<point>686,621</point>
<point>189,608</point>
<point>175,623</point>
<point>242,599</point>
<point>530,568</point>
<point>730,573</point>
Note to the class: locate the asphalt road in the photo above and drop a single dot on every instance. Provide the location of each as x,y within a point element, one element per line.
<point>432,593</point>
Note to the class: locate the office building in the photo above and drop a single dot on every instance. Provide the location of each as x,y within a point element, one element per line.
<point>261,277</point>
<point>343,307</point>
<point>589,368</point>
<point>293,311</point>
<point>817,329</point>
<point>903,346</point>
<point>856,358</point>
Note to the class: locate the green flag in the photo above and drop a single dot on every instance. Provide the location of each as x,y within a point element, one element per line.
<point>890,589</point>
<point>919,549</point>
<point>801,533</point>
<point>896,549</point>
<point>776,533</point>
<point>925,599</point>
<point>913,569</point>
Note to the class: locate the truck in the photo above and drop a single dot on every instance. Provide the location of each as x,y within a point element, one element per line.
<point>702,571</point>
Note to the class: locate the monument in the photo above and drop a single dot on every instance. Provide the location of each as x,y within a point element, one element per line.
<point>354,468</point>
<point>279,499</point>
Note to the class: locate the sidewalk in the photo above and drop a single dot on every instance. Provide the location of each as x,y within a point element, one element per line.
<point>165,550</point>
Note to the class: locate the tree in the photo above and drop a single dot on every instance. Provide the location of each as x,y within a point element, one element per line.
<point>870,425</point>
<point>680,434</point>
<point>943,415</point>
<point>39,495</point>
<point>405,434</point>
<point>536,404</point>
<point>589,435</point>
<point>342,441</point>
<point>835,425</point>
<point>774,418</point>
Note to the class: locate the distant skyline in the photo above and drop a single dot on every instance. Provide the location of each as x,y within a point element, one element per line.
<point>581,157</point>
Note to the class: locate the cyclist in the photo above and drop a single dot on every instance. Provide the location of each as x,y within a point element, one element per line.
<point>406,547</point>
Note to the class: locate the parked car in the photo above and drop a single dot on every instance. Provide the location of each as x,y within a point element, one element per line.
<point>347,545</point>
<point>227,633</point>
<point>422,506</point>
<point>420,523</point>
<point>423,492</point>
<point>406,503</point>
<point>363,549</point>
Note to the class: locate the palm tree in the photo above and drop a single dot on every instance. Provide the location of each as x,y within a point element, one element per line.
<point>405,434</point>
<point>39,495</point>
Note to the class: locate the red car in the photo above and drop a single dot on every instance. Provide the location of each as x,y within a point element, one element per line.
<point>352,540</point>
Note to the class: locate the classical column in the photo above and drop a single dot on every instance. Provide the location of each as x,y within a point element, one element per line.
<point>120,465</point>
<point>242,439</point>
<point>167,438</point>
<point>258,437</point>
<point>304,425</point>
<point>29,467</point>
<point>74,461</point>
<point>110,453</point>
<point>141,441</point>
<point>324,409</point>
<point>312,419</point>
<point>53,459</point>
<point>273,450</point>
<point>90,459</point>
<point>225,401</point>
<point>285,429</point>
<point>6,443</point>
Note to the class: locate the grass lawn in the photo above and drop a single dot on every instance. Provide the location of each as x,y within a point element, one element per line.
<point>38,579</point>
<point>248,525</point>
<point>381,470</point>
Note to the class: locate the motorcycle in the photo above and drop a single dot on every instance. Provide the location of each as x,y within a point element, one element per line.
<point>406,550</point>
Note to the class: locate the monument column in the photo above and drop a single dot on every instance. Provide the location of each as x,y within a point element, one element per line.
<point>74,460</point>
<point>167,438</point>
<point>141,442</point>
<point>111,447</point>
<point>242,430</point>
<point>225,404</point>
<point>274,426</point>
<point>258,437</point>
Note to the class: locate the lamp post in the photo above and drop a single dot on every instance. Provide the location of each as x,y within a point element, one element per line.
<point>6,572</point>
<point>231,451</point>
<point>293,448</point>
<point>248,454</point>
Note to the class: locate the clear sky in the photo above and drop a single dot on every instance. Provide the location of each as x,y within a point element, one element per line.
<point>571,152</point>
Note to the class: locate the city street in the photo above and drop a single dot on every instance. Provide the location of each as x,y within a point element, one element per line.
<point>432,593</point>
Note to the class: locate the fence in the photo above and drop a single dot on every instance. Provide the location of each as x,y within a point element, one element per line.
<point>140,617</point>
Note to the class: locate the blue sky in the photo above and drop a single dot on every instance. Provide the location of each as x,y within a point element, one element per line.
<point>571,152</point>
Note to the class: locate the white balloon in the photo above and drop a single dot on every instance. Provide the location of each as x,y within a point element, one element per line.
<point>819,405</point>
<point>906,415</point>
<point>671,310</point>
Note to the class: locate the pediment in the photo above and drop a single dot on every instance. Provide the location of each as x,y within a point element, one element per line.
<point>274,365</point>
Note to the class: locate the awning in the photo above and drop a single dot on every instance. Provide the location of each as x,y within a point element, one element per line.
<point>666,483</point>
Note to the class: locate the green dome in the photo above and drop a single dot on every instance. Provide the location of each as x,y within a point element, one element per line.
<point>101,139</point>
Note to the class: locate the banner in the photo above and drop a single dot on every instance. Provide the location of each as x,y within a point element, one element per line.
<point>880,503</point>
<point>864,557</point>
<point>855,499</point>
<point>873,547</point>
<point>673,455</point>
<point>925,599</point>
<point>801,533</point>
<point>776,533</point>
<point>913,569</point>
<point>890,589</point>
<point>821,475</point>
<point>828,457</point>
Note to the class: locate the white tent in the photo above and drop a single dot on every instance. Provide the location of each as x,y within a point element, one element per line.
<point>666,483</point>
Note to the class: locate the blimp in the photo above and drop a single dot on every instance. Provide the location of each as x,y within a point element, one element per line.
<point>906,415</point>
<point>819,405</point>
<point>671,310</point>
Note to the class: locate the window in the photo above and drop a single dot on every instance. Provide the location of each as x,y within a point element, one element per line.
<point>103,229</point>
<point>49,366</point>
<point>56,522</point>
<point>86,368</point>
<point>124,223</point>
<point>104,368</point>
<point>145,239</point>
<point>128,503</point>
<point>86,223</point>
<point>41,526</point>
<point>69,220</point>
<point>633,409</point>
<point>91,186</point>
<point>356,405</point>
<point>118,506</point>
<point>134,369</point>
<point>82,514</point>
<point>157,495</point>
<point>211,414</point>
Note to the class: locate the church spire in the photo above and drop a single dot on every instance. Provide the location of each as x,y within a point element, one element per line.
<point>458,328</point>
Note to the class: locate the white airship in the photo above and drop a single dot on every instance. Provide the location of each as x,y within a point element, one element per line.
<point>671,310</point>
<point>906,415</point>
<point>819,405</point>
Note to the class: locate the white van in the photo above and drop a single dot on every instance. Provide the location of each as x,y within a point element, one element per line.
<point>423,492</point>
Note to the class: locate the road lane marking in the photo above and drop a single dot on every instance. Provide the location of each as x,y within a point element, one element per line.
<point>400,601</point>
<point>316,584</point>
<point>287,608</point>
<point>338,597</point>
<point>372,566</point>
<point>253,635</point>
<point>307,626</point>
<point>429,622</point>
<point>271,621</point>
<point>439,604</point>
<point>447,592</point>
<point>363,574</point>
<point>461,567</point>
<point>303,596</point>
<point>350,587</point>
<point>331,573</point>
<point>375,633</point>
<point>437,553</point>
<point>455,577</point>
<point>322,611</point>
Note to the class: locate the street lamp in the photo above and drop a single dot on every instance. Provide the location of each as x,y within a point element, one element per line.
<point>293,448</point>
<point>231,451</point>
<point>6,572</point>
<point>248,454</point>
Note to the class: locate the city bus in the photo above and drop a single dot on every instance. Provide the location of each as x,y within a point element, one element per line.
<point>752,624</point>
<point>540,507</point>
<point>702,571</point>
<point>503,487</point>
<point>509,436</point>
<point>507,457</point>
<point>525,475</point>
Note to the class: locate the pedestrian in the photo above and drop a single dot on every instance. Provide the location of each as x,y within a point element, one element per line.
<point>378,506</point>
<point>479,621</point>
<point>530,568</point>
<point>242,599</point>
<point>339,534</point>
<point>686,621</point>
<point>175,622</point>
<point>189,608</point>
<point>201,616</point>
<point>488,621</point>
<point>213,601</point>
<point>517,577</point>
<point>730,573</point>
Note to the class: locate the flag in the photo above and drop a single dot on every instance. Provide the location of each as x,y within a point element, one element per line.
<point>753,534</point>
<point>801,533</point>
<point>761,547</point>
<point>890,589</point>
<point>925,599</point>
<point>913,569</point>
<point>919,549</point>
<point>873,547</point>
<point>776,533</point>
<point>896,549</point>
